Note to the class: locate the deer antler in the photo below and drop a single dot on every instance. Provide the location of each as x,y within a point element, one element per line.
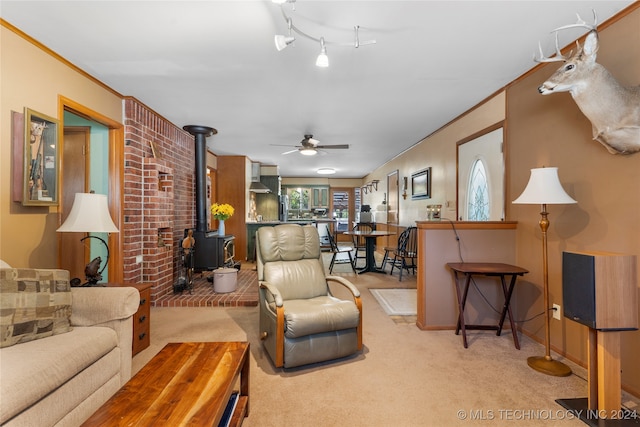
<point>581,23</point>
<point>557,58</point>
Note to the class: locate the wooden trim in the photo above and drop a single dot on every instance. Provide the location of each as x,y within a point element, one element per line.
<point>279,362</point>
<point>495,126</point>
<point>358,302</point>
<point>479,133</point>
<point>115,179</point>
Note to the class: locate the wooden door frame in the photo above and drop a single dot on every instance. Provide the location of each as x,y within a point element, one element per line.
<point>86,132</point>
<point>115,180</point>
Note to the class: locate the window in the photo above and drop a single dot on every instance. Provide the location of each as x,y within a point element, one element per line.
<point>479,198</point>
<point>299,202</point>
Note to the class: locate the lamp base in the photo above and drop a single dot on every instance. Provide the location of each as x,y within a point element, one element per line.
<point>549,366</point>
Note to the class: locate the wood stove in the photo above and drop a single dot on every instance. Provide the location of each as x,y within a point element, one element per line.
<point>211,250</point>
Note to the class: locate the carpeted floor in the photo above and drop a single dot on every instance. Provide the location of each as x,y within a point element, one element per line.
<point>404,376</point>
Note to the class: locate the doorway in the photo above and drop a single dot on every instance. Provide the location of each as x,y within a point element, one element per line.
<point>74,254</point>
<point>343,211</point>
<point>94,162</point>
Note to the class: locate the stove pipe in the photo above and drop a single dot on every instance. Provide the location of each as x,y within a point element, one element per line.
<point>201,133</point>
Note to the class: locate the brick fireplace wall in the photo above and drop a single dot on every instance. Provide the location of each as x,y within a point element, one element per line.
<point>159,197</point>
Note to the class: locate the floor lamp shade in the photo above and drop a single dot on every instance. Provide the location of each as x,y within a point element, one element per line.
<point>89,214</point>
<point>544,188</point>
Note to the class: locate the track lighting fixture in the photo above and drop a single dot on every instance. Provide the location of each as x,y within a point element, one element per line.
<point>282,41</point>
<point>323,59</point>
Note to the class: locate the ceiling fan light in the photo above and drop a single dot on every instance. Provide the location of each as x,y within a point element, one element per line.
<point>326,171</point>
<point>283,41</point>
<point>308,152</point>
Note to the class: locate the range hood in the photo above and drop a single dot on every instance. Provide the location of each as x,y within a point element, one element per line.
<point>256,186</point>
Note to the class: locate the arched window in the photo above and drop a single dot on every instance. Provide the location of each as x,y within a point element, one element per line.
<point>478,194</point>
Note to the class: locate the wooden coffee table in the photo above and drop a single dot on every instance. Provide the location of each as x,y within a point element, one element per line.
<point>184,384</point>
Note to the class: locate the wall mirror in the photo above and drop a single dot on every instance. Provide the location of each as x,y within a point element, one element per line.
<point>481,172</point>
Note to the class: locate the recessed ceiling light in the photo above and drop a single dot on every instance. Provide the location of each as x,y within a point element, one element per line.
<point>326,171</point>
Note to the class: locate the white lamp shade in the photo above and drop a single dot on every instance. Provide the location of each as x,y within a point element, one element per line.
<point>89,214</point>
<point>544,188</point>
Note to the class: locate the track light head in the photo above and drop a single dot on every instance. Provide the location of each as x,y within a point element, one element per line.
<point>283,41</point>
<point>323,59</point>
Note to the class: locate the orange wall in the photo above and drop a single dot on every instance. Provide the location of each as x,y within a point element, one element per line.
<point>33,78</point>
<point>551,131</point>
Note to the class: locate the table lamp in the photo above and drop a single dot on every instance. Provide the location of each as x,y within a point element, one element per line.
<point>90,214</point>
<point>544,188</point>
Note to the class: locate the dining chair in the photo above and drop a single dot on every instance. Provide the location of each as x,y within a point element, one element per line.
<point>338,250</point>
<point>360,242</point>
<point>406,254</point>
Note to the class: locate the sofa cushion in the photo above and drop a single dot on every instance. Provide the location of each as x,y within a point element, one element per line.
<point>34,303</point>
<point>32,370</point>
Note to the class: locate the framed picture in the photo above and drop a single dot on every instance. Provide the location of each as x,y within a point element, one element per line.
<point>421,184</point>
<point>41,161</point>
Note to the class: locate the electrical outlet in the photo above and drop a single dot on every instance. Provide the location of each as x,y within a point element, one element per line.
<point>556,311</point>
<point>138,259</point>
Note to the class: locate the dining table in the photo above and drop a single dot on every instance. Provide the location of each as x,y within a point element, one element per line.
<point>370,247</point>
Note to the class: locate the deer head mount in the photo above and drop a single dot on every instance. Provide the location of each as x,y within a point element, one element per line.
<point>612,109</point>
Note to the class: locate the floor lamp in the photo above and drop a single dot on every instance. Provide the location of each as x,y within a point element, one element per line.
<point>544,189</point>
<point>90,214</point>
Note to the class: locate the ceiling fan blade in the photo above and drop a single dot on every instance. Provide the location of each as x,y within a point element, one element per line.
<point>290,151</point>
<point>337,146</point>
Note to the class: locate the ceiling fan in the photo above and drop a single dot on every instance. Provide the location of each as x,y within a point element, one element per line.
<point>309,146</point>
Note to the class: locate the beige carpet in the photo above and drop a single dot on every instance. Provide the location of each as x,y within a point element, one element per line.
<point>403,377</point>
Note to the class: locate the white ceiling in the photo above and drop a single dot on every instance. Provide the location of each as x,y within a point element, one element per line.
<point>214,63</point>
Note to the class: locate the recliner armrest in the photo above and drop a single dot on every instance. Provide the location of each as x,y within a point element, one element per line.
<point>274,292</point>
<point>344,282</point>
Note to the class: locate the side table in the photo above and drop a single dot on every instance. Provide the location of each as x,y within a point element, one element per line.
<point>141,320</point>
<point>469,269</point>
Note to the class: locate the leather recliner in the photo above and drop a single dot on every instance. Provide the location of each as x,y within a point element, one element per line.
<point>301,322</point>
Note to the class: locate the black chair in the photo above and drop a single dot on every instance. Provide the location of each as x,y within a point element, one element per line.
<point>406,255</point>
<point>360,242</point>
<point>389,252</point>
<point>336,250</point>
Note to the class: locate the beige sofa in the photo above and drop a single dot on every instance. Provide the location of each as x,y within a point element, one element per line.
<point>64,351</point>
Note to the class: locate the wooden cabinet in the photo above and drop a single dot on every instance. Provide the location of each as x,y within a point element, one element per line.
<point>141,320</point>
<point>320,197</point>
